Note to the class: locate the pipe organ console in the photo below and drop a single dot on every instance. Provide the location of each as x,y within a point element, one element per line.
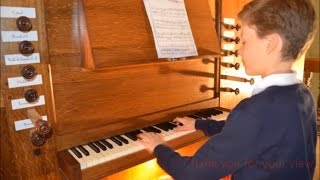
<point>81,78</point>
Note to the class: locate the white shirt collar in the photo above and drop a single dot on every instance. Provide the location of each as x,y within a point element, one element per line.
<point>284,79</point>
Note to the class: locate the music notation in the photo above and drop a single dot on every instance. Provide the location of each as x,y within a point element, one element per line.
<point>171,28</point>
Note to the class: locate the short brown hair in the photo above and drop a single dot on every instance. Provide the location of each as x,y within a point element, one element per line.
<point>293,20</point>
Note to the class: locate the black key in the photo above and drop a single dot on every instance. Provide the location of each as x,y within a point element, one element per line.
<point>120,138</point>
<point>94,147</point>
<point>137,132</point>
<point>131,136</point>
<point>106,143</point>
<point>213,112</point>
<point>216,111</point>
<point>161,126</point>
<point>115,140</point>
<point>84,151</point>
<point>177,123</point>
<point>203,114</point>
<point>174,123</point>
<point>169,125</point>
<point>151,129</point>
<point>76,152</point>
<point>193,116</point>
<point>155,129</point>
<point>101,146</point>
<point>208,113</point>
<point>196,116</point>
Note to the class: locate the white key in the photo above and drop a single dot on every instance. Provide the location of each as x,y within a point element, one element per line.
<point>92,159</point>
<point>83,164</point>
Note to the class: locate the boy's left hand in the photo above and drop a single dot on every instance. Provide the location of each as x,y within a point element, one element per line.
<point>150,140</point>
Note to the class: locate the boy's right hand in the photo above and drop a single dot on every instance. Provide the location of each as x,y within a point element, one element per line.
<point>188,124</point>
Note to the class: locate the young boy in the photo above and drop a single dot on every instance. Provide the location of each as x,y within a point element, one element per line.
<point>271,135</point>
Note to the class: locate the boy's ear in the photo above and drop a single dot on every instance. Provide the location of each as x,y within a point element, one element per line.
<point>274,43</point>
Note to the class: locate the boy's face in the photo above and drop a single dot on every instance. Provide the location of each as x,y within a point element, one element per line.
<point>253,52</point>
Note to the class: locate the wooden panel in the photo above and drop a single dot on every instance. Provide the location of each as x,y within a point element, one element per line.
<point>20,161</point>
<point>7,167</point>
<point>112,100</point>
<point>120,34</point>
<point>126,97</point>
<point>312,65</point>
<point>62,22</point>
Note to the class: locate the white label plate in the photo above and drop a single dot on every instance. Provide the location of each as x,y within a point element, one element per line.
<point>15,12</point>
<point>230,21</point>
<point>229,34</point>
<point>228,47</point>
<point>22,103</point>
<point>17,36</point>
<point>26,123</point>
<point>229,59</point>
<point>17,59</point>
<point>22,82</point>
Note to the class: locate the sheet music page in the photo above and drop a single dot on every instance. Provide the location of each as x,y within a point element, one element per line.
<point>171,28</point>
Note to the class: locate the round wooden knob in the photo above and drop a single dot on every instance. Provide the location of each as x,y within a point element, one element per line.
<point>42,127</point>
<point>237,66</point>
<point>31,95</point>
<point>237,40</point>
<point>237,27</point>
<point>251,81</point>
<point>37,139</point>
<point>28,72</point>
<point>26,47</point>
<point>236,91</point>
<point>235,53</point>
<point>24,23</point>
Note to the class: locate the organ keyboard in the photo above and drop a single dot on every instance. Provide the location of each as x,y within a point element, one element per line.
<point>107,150</point>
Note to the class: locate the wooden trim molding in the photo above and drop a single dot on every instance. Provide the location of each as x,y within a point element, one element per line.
<point>312,65</point>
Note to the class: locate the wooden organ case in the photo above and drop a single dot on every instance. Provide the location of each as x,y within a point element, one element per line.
<point>100,77</point>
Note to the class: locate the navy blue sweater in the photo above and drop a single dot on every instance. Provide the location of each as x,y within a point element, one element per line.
<point>269,136</point>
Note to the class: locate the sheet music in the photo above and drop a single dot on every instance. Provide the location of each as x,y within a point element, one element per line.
<point>171,28</point>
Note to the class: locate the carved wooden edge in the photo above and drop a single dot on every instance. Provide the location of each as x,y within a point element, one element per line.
<point>312,65</point>
<point>69,166</point>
